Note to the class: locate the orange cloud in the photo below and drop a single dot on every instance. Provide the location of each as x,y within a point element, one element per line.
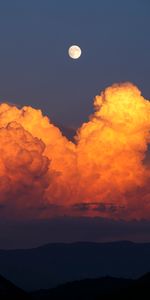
<point>105,172</point>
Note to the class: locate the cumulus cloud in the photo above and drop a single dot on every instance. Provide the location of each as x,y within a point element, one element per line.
<point>23,170</point>
<point>104,172</point>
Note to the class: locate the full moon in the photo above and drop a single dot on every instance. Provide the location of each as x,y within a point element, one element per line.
<point>74,51</point>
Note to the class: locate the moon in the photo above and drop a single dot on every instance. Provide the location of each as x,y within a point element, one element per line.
<point>74,51</point>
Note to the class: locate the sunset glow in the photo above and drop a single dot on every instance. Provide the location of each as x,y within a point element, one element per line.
<point>104,172</point>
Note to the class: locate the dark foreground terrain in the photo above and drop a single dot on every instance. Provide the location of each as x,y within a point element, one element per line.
<point>54,264</point>
<point>9,291</point>
<point>91,289</point>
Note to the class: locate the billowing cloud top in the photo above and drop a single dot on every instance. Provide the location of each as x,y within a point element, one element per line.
<point>105,172</point>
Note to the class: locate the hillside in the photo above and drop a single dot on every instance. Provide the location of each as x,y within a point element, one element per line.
<point>50,265</point>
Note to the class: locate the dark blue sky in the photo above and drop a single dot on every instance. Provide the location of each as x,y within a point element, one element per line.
<point>34,66</point>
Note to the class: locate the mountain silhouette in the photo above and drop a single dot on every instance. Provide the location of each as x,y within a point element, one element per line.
<point>53,264</point>
<point>100,288</point>
<point>86,289</point>
<point>90,289</point>
<point>9,291</point>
